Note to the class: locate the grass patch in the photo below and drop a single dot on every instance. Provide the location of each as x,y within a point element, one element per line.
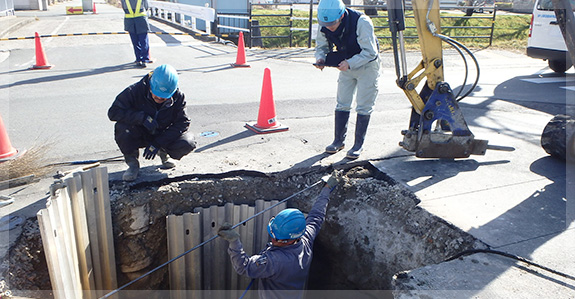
<point>31,162</point>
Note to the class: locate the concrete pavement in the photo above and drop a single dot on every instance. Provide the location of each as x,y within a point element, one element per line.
<point>520,202</point>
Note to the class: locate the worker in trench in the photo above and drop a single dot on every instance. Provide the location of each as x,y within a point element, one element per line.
<point>282,268</point>
<point>151,114</point>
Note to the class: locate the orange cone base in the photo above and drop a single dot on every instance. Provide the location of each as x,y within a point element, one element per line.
<point>277,128</point>
<point>239,65</point>
<point>13,154</point>
<point>41,67</point>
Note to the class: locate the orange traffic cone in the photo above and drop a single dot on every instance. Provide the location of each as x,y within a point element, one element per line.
<point>267,115</point>
<point>41,61</point>
<point>150,59</point>
<point>6,149</point>
<point>94,8</point>
<point>241,56</point>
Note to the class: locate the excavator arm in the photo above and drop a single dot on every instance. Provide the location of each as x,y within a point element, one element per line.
<point>437,128</point>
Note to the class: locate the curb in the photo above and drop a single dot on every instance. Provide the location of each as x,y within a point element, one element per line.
<point>16,22</point>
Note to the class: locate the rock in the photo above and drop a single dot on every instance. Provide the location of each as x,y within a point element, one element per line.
<point>558,137</point>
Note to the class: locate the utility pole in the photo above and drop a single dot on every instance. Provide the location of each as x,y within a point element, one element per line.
<point>566,21</point>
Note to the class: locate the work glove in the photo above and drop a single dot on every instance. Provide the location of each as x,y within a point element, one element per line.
<point>225,231</point>
<point>151,151</point>
<point>331,181</point>
<point>150,124</point>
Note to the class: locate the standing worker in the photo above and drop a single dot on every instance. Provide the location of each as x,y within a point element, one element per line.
<point>136,23</point>
<point>283,267</point>
<point>356,56</point>
<point>151,114</point>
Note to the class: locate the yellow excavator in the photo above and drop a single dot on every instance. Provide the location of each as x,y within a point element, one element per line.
<point>437,127</point>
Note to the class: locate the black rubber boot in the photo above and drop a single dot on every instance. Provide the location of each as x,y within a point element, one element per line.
<point>341,118</point>
<point>133,167</point>
<point>360,130</point>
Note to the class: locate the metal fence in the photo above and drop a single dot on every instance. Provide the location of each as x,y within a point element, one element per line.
<point>285,12</point>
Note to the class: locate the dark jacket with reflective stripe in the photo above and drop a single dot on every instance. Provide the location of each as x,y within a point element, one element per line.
<point>135,103</point>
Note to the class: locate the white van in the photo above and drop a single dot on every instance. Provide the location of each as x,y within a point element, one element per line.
<point>545,39</point>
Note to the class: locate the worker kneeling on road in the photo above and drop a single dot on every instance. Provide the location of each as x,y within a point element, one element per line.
<point>283,267</point>
<point>151,114</point>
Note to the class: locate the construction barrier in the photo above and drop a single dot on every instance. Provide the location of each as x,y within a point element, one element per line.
<point>41,61</point>
<point>108,33</point>
<point>241,55</point>
<point>267,122</point>
<point>6,149</point>
<point>210,268</point>
<point>74,10</point>
<point>77,236</point>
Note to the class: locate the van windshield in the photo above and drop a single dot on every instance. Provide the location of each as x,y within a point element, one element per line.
<point>548,4</point>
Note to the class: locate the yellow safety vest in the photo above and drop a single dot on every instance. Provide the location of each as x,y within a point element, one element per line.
<point>133,14</point>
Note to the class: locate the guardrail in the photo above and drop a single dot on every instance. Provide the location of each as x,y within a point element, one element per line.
<point>6,7</point>
<point>184,15</point>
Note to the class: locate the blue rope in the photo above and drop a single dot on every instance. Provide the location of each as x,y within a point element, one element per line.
<point>249,286</point>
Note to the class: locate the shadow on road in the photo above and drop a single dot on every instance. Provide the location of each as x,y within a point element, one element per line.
<point>72,75</point>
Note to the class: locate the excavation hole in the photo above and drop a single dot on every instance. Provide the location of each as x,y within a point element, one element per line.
<point>374,227</point>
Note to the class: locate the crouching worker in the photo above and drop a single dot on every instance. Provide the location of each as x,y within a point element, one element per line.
<point>151,114</point>
<point>283,267</point>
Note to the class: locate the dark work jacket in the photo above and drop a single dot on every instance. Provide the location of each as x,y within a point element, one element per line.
<point>283,271</point>
<point>135,103</point>
<point>344,38</point>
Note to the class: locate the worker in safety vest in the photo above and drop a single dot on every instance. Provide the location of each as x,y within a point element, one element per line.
<point>356,52</point>
<point>136,23</point>
<point>151,114</point>
<point>282,268</point>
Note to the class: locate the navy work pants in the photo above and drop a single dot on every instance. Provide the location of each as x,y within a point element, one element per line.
<point>132,137</point>
<point>141,46</point>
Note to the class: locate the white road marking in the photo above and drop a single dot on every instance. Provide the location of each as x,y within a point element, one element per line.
<point>550,80</point>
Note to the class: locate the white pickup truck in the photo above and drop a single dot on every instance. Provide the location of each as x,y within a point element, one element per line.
<point>545,39</point>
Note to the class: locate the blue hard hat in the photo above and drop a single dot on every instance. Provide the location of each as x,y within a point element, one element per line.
<point>164,81</point>
<point>329,11</point>
<point>288,224</point>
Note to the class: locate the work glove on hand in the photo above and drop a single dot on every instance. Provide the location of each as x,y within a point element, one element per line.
<point>225,231</point>
<point>331,181</point>
<point>151,151</point>
<point>150,124</point>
